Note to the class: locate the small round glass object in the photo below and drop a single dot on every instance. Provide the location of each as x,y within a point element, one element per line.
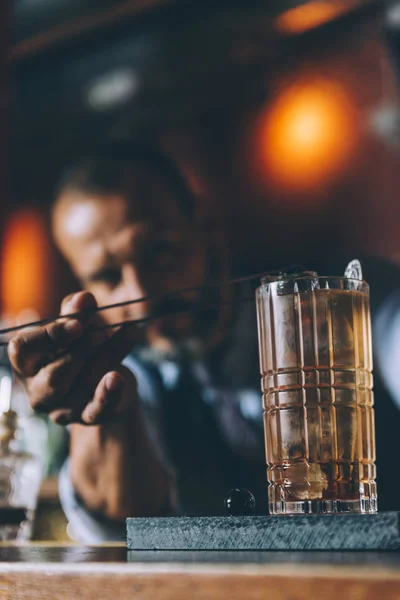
<point>240,502</point>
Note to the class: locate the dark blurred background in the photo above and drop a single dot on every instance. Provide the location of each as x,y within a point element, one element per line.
<point>278,111</point>
<point>282,113</point>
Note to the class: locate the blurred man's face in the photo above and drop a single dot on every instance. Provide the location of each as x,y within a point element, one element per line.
<point>122,250</point>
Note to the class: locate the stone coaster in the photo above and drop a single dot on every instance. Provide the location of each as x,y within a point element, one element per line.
<point>308,532</point>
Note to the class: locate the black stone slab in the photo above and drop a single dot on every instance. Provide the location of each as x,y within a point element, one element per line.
<point>308,532</point>
<point>338,558</point>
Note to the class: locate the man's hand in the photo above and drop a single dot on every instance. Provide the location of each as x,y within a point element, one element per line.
<point>75,376</point>
<point>71,373</point>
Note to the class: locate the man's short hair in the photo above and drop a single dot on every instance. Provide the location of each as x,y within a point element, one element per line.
<point>107,172</point>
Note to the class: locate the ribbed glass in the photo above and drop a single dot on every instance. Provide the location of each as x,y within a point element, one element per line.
<point>316,368</point>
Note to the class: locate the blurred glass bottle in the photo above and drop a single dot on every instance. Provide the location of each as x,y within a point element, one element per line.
<point>36,433</point>
<point>20,471</point>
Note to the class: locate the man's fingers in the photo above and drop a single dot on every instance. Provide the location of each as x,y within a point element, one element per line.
<point>105,400</point>
<point>62,416</point>
<point>64,363</point>
<point>107,404</point>
<point>32,349</point>
<point>29,350</point>
<point>75,379</point>
<point>83,302</point>
<point>51,386</point>
<point>107,357</point>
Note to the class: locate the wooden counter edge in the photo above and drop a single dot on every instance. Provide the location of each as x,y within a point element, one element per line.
<point>165,580</point>
<point>41,581</point>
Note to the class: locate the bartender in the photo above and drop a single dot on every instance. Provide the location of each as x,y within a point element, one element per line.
<point>164,418</point>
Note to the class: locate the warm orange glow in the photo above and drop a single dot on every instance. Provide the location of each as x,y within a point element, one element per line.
<point>307,135</point>
<point>312,15</point>
<point>24,264</point>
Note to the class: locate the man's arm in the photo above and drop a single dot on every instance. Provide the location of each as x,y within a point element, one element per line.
<point>74,374</point>
<point>113,467</point>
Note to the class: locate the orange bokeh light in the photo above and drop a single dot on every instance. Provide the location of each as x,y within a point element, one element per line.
<point>307,136</point>
<point>24,264</point>
<point>312,15</point>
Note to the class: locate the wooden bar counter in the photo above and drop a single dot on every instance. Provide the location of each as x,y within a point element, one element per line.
<point>52,572</point>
